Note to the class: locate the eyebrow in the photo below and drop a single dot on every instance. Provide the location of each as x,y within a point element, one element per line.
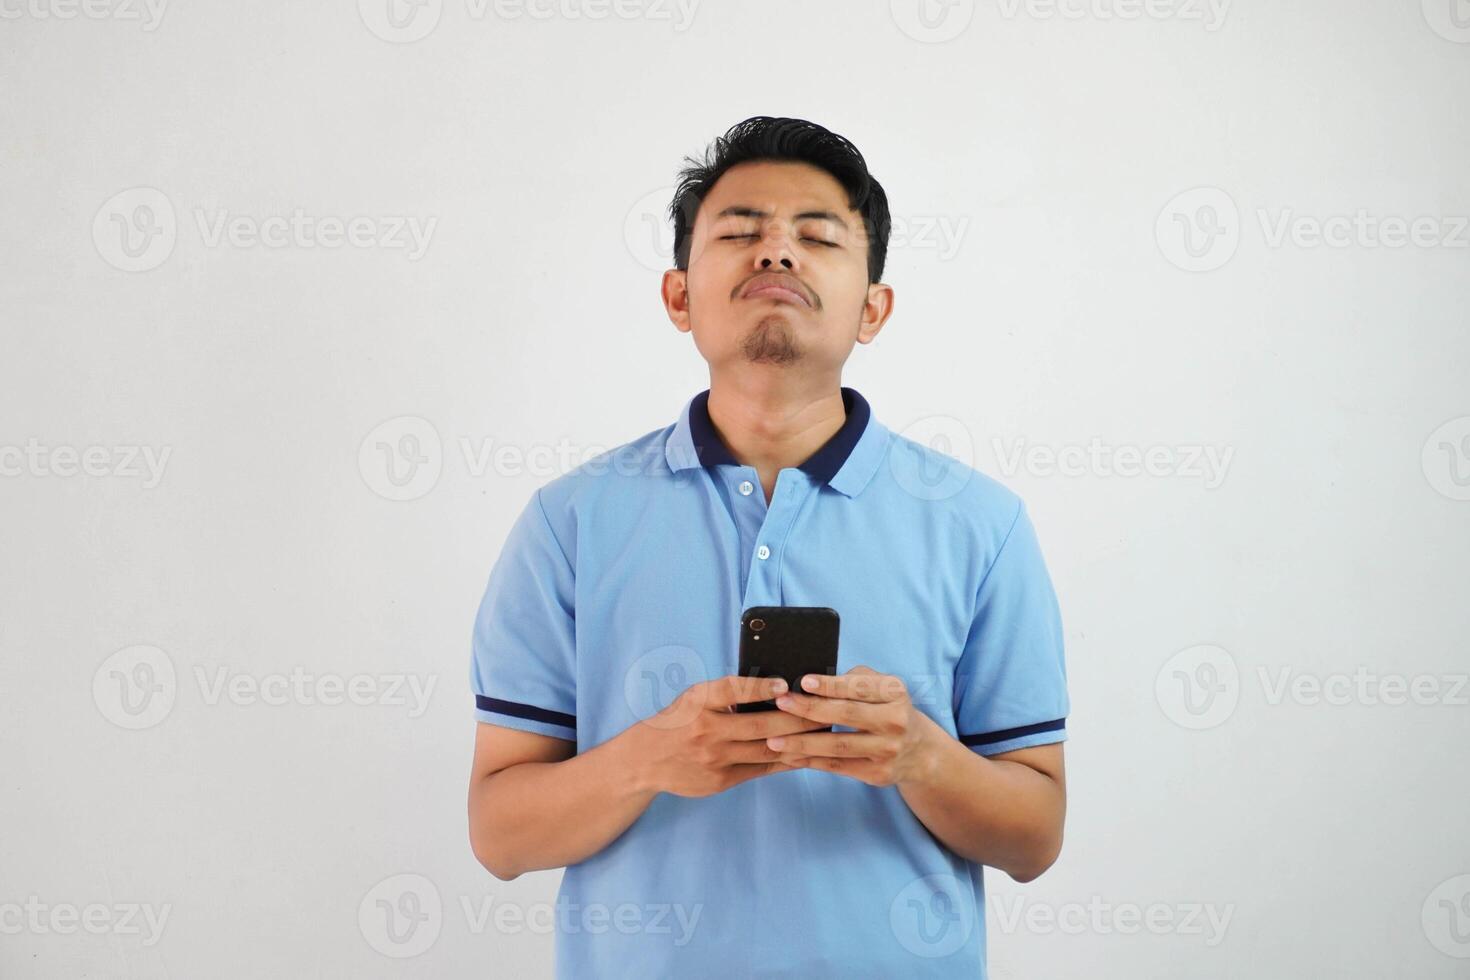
<point>741,211</point>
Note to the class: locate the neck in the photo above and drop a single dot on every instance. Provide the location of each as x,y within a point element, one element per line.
<point>772,426</point>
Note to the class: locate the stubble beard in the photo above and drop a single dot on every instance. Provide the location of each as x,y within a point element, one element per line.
<point>771,342</point>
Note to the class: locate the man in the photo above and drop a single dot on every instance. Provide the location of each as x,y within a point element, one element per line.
<point>702,842</point>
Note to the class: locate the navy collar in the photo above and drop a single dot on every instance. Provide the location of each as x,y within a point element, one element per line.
<point>822,465</point>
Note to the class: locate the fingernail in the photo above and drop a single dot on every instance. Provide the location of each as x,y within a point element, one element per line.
<point>809,682</point>
<point>775,743</point>
<point>777,686</point>
<point>783,702</point>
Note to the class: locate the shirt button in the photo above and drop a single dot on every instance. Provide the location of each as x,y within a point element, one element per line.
<point>746,487</point>
<point>763,552</point>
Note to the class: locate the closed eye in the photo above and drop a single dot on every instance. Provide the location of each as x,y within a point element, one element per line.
<point>819,241</point>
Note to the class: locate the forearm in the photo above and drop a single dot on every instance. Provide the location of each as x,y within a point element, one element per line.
<point>991,811</point>
<point>551,814</point>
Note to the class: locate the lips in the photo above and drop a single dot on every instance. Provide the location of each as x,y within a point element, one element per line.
<point>782,288</point>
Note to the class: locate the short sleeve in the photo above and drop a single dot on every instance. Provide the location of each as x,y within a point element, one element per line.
<point>1010,689</point>
<point>523,665</point>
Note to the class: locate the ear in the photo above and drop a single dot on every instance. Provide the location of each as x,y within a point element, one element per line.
<point>876,311</point>
<point>675,291</point>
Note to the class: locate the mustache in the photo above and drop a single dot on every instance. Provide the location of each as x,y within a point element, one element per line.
<point>784,279</point>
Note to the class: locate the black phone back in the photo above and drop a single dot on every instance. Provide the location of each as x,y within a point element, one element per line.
<point>786,642</point>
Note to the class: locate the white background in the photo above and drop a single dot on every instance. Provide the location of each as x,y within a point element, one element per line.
<point>1034,158</point>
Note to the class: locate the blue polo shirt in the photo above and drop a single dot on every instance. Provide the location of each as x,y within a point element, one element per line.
<point>621,583</point>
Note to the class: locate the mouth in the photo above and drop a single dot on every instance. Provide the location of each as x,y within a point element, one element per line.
<point>776,288</point>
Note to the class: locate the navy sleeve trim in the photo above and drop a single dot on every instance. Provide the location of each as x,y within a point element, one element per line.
<point>991,738</point>
<point>517,710</point>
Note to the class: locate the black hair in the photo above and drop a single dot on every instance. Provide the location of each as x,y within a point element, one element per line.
<point>782,139</point>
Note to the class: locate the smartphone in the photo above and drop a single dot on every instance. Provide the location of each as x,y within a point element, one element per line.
<point>787,642</point>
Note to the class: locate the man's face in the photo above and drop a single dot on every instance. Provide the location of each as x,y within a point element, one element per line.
<point>778,272</point>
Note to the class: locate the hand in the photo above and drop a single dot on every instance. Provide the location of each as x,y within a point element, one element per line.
<point>699,745</point>
<point>892,740</point>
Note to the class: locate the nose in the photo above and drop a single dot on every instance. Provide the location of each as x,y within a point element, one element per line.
<point>775,252</point>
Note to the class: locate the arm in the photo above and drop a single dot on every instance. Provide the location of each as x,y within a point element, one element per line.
<point>1003,804</point>
<point>1006,811</point>
<point>535,803</point>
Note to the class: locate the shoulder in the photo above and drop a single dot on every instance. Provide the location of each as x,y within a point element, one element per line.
<point>610,477</point>
<point>950,489</point>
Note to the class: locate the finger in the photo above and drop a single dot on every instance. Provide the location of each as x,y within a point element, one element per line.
<point>744,773</point>
<point>732,689</point>
<point>746,753</point>
<point>842,745</point>
<point>858,684</point>
<point>835,711</point>
<point>864,770</point>
<point>761,725</point>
